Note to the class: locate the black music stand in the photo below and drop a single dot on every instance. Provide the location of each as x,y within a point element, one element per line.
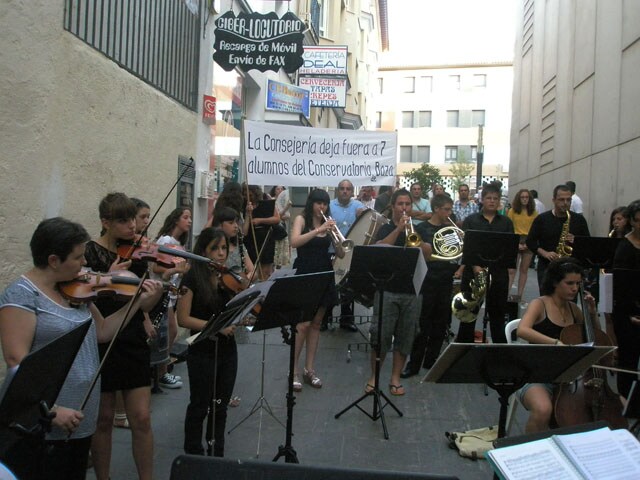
<point>595,253</point>
<point>492,250</point>
<point>374,268</point>
<point>29,391</point>
<point>288,300</point>
<point>507,367</point>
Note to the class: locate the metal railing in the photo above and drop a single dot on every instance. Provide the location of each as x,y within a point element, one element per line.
<point>158,41</point>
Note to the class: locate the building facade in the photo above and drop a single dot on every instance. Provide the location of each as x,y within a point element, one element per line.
<point>437,111</point>
<point>576,102</point>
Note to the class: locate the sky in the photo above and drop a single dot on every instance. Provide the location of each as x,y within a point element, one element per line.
<point>450,31</point>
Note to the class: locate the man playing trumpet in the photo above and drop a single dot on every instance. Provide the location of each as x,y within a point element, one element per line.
<point>436,288</point>
<point>401,310</point>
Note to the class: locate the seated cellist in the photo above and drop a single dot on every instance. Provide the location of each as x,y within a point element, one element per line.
<point>542,323</point>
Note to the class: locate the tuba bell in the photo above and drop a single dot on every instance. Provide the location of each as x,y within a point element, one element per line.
<point>447,243</point>
<point>464,305</point>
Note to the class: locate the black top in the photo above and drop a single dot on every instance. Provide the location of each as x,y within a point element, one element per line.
<point>546,229</point>
<point>627,256</point>
<point>438,271</point>
<point>204,311</point>
<point>477,221</point>
<point>383,232</point>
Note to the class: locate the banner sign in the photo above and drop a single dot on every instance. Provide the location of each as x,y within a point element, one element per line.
<point>326,92</point>
<point>208,110</point>
<point>316,157</point>
<point>284,97</point>
<point>324,60</point>
<point>264,42</point>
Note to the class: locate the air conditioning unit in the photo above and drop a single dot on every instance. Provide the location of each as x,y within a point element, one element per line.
<point>206,184</point>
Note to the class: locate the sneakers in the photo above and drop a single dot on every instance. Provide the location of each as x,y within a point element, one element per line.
<point>170,381</point>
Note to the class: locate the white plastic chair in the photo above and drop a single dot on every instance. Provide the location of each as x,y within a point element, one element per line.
<point>509,331</point>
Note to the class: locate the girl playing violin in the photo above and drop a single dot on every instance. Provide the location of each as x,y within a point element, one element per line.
<point>127,366</point>
<point>310,236</point>
<point>227,219</point>
<point>543,322</point>
<point>174,231</point>
<point>212,364</point>
<point>33,312</point>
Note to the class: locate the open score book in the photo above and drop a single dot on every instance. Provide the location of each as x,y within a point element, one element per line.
<point>601,454</point>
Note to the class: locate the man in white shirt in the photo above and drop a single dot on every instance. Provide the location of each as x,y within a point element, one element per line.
<point>540,208</point>
<point>576,201</point>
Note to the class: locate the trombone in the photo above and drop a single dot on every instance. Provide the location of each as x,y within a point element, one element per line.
<point>337,238</point>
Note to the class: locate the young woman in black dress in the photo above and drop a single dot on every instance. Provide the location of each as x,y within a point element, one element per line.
<point>211,364</point>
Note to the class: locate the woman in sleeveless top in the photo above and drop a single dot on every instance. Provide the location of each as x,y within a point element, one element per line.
<point>310,235</point>
<point>238,260</point>
<point>542,323</point>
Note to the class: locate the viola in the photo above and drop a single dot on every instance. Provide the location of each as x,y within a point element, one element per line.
<point>232,281</point>
<point>90,286</point>
<point>589,398</point>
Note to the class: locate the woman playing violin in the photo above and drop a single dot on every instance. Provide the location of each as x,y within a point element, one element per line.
<point>227,219</point>
<point>208,360</point>
<point>174,231</point>
<point>33,313</point>
<point>543,322</point>
<point>127,366</point>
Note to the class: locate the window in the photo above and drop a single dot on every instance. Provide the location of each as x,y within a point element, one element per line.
<point>477,118</point>
<point>453,118</point>
<point>424,151</point>
<point>409,84</point>
<point>474,152</point>
<point>322,21</point>
<point>159,42</point>
<point>450,154</point>
<point>380,84</point>
<point>407,119</point>
<point>480,81</point>
<point>424,118</point>
<point>405,154</point>
<point>426,84</point>
<point>378,119</point>
<point>454,82</point>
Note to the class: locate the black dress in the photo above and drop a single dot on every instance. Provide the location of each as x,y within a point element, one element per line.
<point>127,366</point>
<point>314,257</point>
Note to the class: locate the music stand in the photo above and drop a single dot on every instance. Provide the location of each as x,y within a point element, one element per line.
<point>595,252</point>
<point>492,250</point>
<point>507,367</point>
<point>31,389</point>
<point>289,300</point>
<point>374,268</point>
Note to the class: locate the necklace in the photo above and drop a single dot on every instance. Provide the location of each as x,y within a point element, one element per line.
<point>563,312</point>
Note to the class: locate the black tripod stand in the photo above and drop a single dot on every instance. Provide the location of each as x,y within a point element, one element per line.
<point>376,267</point>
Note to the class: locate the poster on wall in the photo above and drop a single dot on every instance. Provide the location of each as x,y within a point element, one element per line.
<point>316,157</point>
<point>284,97</point>
<point>259,41</point>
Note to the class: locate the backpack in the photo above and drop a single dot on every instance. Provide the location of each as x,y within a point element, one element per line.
<point>473,443</point>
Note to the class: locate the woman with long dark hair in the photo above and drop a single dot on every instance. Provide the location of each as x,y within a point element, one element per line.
<point>212,364</point>
<point>522,214</point>
<point>310,235</point>
<point>259,237</point>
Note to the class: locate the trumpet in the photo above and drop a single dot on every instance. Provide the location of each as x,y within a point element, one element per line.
<point>337,238</point>
<point>413,239</point>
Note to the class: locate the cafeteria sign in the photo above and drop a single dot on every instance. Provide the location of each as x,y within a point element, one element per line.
<point>260,41</point>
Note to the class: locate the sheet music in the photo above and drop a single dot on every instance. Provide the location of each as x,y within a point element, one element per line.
<point>598,455</point>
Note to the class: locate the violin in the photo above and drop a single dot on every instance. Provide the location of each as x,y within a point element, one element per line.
<point>232,281</point>
<point>90,286</point>
<point>589,398</point>
<point>142,249</point>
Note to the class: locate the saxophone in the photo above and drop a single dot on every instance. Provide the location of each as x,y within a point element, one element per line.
<point>564,250</point>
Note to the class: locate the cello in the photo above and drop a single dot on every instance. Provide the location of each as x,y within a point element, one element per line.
<point>589,398</point>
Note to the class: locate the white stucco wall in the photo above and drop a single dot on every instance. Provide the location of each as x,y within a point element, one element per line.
<point>74,127</point>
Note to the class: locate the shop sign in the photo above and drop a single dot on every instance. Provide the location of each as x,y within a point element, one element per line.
<point>284,97</point>
<point>326,92</point>
<point>324,60</point>
<point>259,41</point>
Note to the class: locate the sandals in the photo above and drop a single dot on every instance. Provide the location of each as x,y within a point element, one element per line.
<point>396,390</point>
<point>311,378</point>
<point>297,385</point>
<point>368,388</point>
<point>120,420</point>
<point>234,401</point>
